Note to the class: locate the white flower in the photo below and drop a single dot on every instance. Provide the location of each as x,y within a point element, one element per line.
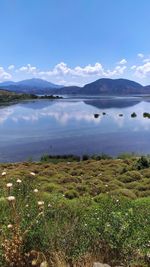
<point>44,264</point>
<point>27,205</point>
<point>40,203</point>
<point>9,185</point>
<point>9,226</point>
<point>106,185</point>
<point>11,198</point>
<point>3,173</point>
<point>19,181</point>
<point>32,173</point>
<point>49,205</point>
<point>36,190</point>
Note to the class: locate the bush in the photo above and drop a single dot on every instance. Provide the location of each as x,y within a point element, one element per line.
<point>70,194</point>
<point>133,115</point>
<point>85,157</point>
<point>143,163</point>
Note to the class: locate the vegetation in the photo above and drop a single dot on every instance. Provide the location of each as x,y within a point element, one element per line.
<point>75,212</point>
<point>96,115</point>
<point>9,97</point>
<point>146,115</point>
<point>133,115</point>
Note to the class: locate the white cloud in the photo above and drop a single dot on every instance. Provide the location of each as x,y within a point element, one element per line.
<point>143,71</point>
<point>146,60</point>
<point>4,75</point>
<point>140,55</point>
<point>98,70</point>
<point>28,69</point>
<point>123,61</point>
<point>78,75</point>
<point>11,67</point>
<point>133,67</point>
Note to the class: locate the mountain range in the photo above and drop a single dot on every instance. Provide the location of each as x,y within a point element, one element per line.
<point>32,86</point>
<point>102,86</point>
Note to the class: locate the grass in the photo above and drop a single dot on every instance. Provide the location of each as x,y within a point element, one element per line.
<point>75,213</point>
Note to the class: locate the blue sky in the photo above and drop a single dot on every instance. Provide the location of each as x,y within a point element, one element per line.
<point>74,41</point>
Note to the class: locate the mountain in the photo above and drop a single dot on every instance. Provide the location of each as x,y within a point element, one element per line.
<point>106,87</point>
<point>114,87</point>
<point>102,86</point>
<point>32,86</point>
<point>118,87</point>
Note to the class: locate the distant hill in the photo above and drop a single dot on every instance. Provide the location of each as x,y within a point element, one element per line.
<point>107,87</point>
<point>32,86</point>
<point>102,86</point>
<point>114,87</point>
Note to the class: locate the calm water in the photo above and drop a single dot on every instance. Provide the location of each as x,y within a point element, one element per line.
<point>33,128</point>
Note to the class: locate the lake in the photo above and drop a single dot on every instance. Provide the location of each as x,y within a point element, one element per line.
<point>68,126</point>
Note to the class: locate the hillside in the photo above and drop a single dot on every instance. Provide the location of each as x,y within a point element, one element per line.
<point>10,97</point>
<point>74,214</point>
<point>107,87</point>
<point>6,96</point>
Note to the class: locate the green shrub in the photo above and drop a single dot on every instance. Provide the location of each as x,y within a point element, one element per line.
<point>70,194</point>
<point>133,115</point>
<point>143,163</point>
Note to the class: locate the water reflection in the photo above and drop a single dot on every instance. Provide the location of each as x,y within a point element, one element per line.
<point>69,126</point>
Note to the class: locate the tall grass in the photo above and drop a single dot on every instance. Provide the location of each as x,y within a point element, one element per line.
<point>51,230</point>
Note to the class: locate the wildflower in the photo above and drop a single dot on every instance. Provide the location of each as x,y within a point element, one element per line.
<point>3,173</point>
<point>40,203</point>
<point>27,205</point>
<point>19,181</point>
<point>44,264</point>
<point>11,198</point>
<point>35,190</point>
<point>49,205</point>
<point>117,200</point>
<point>106,185</point>
<point>32,173</point>
<point>34,262</point>
<point>9,226</point>
<point>9,185</point>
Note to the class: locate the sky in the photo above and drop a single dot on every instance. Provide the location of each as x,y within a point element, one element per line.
<point>73,42</point>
